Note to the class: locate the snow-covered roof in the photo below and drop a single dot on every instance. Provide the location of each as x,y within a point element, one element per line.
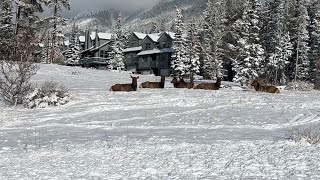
<point>140,35</point>
<point>154,37</point>
<point>171,34</point>
<point>102,45</point>
<point>100,35</point>
<point>82,39</point>
<point>155,51</point>
<point>66,43</point>
<point>87,50</point>
<point>132,49</point>
<point>41,45</point>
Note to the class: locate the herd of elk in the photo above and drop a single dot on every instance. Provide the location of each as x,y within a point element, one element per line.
<point>182,84</point>
<point>268,89</point>
<point>154,85</point>
<point>126,87</point>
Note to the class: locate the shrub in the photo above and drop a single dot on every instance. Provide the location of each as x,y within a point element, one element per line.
<point>49,94</point>
<point>309,135</point>
<point>15,80</point>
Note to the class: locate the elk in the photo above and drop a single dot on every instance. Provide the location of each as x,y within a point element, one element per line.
<point>126,87</point>
<point>210,86</point>
<point>182,83</point>
<point>154,85</point>
<point>268,89</point>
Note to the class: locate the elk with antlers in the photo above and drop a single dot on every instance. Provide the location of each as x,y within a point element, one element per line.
<point>210,86</point>
<point>126,87</point>
<point>181,83</point>
<point>154,85</point>
<point>269,89</point>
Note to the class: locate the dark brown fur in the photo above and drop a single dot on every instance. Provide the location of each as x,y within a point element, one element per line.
<point>268,89</point>
<point>126,87</point>
<point>210,86</point>
<point>182,83</point>
<point>154,85</point>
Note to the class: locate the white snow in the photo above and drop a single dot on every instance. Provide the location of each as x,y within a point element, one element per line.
<point>157,134</point>
<point>155,51</point>
<point>140,35</point>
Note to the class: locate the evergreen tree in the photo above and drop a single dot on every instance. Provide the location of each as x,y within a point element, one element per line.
<point>193,50</point>
<point>117,60</point>
<point>72,56</point>
<point>299,19</point>
<point>179,55</point>
<point>248,65</point>
<point>153,28</point>
<point>162,26</point>
<point>314,34</point>
<point>56,6</point>
<point>277,42</point>
<point>214,31</point>
<point>6,25</point>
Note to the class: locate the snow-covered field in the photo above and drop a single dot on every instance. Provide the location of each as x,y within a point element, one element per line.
<point>157,134</point>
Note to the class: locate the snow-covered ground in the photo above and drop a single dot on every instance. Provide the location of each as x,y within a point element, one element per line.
<point>157,134</point>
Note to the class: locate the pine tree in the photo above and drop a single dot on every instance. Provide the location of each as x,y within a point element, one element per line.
<point>56,6</point>
<point>72,56</point>
<point>193,50</point>
<point>153,28</point>
<point>314,34</point>
<point>179,55</point>
<point>277,42</point>
<point>162,25</point>
<point>214,31</point>
<point>248,65</point>
<point>6,24</point>
<point>117,57</point>
<point>299,62</point>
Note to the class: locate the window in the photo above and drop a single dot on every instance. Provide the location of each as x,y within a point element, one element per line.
<point>148,45</point>
<point>104,54</point>
<point>164,44</point>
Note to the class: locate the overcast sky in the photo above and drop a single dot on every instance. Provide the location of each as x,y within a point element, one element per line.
<point>83,5</point>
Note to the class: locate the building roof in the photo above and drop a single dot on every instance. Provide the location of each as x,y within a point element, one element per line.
<point>101,35</point>
<point>155,51</point>
<point>102,45</point>
<point>87,50</point>
<point>132,49</point>
<point>140,35</point>
<point>82,39</point>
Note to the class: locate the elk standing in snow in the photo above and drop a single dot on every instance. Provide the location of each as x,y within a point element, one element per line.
<point>154,84</point>
<point>268,89</point>
<point>182,83</point>
<point>126,87</point>
<point>210,86</point>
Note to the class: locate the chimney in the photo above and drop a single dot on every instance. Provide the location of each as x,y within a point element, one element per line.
<point>97,38</point>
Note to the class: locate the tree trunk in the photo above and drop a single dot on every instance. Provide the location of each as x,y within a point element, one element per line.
<point>54,34</point>
<point>317,80</point>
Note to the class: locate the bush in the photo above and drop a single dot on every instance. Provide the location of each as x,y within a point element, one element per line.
<point>49,94</point>
<point>299,86</point>
<point>15,80</point>
<point>310,135</point>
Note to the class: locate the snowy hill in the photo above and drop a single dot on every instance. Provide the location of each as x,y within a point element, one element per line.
<point>157,134</point>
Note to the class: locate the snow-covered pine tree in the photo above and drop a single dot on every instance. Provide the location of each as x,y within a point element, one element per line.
<point>6,24</point>
<point>56,6</point>
<point>299,20</point>
<point>118,42</point>
<point>162,25</point>
<point>72,54</point>
<point>277,42</point>
<point>248,65</point>
<point>214,31</point>
<point>314,34</point>
<point>153,28</point>
<point>179,55</point>
<point>193,50</point>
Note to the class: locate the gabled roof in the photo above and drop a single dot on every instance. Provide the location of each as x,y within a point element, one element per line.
<point>140,35</point>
